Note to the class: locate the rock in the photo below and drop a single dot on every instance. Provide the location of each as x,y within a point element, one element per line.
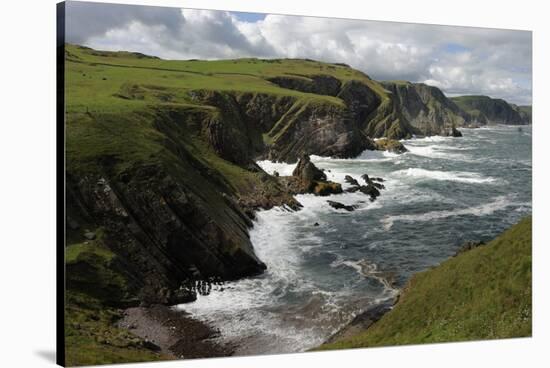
<point>370,190</point>
<point>89,235</point>
<point>469,245</point>
<point>316,224</point>
<point>147,344</point>
<point>307,171</point>
<point>378,180</point>
<point>348,179</point>
<point>378,185</point>
<point>353,189</point>
<point>307,178</point>
<point>391,145</point>
<point>455,132</point>
<point>180,296</point>
<point>366,178</point>
<point>276,174</point>
<point>340,206</point>
<point>327,188</point>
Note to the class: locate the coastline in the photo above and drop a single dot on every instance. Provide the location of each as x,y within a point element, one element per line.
<point>429,310</point>
<point>175,333</point>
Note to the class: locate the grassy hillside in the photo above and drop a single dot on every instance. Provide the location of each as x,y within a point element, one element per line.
<point>93,285</point>
<point>484,293</point>
<point>99,77</point>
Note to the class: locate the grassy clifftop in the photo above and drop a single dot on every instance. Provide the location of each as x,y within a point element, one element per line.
<point>484,293</point>
<point>99,77</point>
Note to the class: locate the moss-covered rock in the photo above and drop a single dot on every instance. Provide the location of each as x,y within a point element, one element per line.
<point>326,188</point>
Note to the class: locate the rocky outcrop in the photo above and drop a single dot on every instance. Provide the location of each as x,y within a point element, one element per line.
<point>391,145</point>
<point>312,127</point>
<point>341,206</point>
<point>372,189</point>
<point>307,178</point>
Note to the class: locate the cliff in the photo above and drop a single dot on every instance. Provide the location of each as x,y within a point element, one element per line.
<point>161,154</point>
<point>487,110</point>
<point>161,158</point>
<point>484,292</point>
<point>161,180</point>
<point>426,107</point>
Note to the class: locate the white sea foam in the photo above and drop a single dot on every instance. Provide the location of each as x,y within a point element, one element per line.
<point>282,168</point>
<point>434,138</point>
<point>436,151</point>
<point>368,269</point>
<point>499,203</point>
<point>457,176</point>
<point>255,299</point>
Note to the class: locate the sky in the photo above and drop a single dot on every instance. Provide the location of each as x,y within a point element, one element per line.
<point>458,60</point>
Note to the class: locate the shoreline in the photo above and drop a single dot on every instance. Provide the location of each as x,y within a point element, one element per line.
<point>175,333</point>
<point>363,321</point>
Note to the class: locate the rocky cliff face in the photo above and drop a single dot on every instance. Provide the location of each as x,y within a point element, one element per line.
<point>182,215</point>
<point>486,110</point>
<point>426,108</point>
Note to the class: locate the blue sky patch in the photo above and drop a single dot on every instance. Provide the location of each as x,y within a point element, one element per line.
<point>454,48</point>
<point>249,17</point>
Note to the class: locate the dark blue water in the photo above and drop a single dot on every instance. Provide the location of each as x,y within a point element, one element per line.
<point>442,193</point>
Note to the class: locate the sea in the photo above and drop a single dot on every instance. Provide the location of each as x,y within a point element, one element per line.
<point>326,266</point>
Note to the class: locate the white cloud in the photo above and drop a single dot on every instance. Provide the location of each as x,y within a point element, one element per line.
<point>459,60</point>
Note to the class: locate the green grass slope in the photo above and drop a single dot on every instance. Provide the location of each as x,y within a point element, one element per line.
<point>93,284</point>
<point>484,293</point>
<point>96,78</point>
